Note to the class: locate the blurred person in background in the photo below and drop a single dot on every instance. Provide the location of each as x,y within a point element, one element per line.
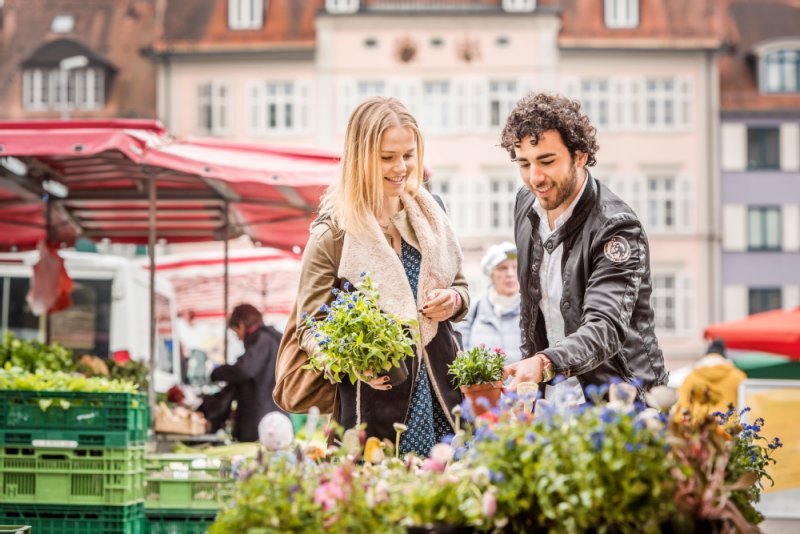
<point>252,377</point>
<point>713,384</point>
<point>494,320</point>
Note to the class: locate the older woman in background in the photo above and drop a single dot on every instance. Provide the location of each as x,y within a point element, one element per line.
<point>494,320</point>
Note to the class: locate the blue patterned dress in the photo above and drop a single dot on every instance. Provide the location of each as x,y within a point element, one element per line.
<point>427,424</point>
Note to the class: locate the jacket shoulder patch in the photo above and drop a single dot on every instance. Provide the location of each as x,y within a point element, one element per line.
<point>617,249</point>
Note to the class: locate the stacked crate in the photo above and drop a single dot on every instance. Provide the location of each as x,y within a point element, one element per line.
<point>73,461</point>
<point>183,492</point>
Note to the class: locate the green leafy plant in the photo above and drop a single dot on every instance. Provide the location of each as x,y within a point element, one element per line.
<point>720,465</point>
<point>576,469</point>
<point>477,365</point>
<point>14,378</point>
<point>33,355</point>
<point>355,337</point>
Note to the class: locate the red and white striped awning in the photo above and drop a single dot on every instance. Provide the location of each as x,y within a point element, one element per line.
<point>264,277</point>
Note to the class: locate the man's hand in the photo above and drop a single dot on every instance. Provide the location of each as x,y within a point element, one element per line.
<point>527,370</point>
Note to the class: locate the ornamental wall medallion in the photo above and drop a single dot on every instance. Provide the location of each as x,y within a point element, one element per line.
<point>405,49</point>
<point>468,49</point>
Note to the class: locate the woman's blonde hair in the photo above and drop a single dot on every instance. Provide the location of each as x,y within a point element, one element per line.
<point>358,193</point>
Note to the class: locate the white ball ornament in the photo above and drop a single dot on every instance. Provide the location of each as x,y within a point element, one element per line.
<point>275,431</point>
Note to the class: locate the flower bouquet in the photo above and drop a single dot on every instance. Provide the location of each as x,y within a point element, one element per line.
<point>356,338</point>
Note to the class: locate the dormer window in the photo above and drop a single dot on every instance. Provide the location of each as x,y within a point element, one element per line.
<point>780,71</point>
<point>519,6</point>
<point>342,7</point>
<point>246,14</point>
<point>621,13</point>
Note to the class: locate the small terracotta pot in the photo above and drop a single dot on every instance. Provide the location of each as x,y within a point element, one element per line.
<point>490,391</point>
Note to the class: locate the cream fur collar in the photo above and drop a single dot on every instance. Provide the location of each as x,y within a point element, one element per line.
<point>441,260</point>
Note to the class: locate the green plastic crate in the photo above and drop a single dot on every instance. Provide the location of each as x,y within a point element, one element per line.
<point>190,493</point>
<point>179,521</point>
<point>78,476</point>
<point>87,419</point>
<point>191,463</point>
<point>45,519</point>
<point>10,529</point>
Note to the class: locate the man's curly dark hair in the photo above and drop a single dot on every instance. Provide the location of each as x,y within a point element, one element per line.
<point>534,114</point>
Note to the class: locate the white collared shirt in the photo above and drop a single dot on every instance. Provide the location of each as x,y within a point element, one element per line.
<point>552,285</point>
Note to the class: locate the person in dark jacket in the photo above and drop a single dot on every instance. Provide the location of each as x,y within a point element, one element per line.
<point>253,375</point>
<point>583,264</point>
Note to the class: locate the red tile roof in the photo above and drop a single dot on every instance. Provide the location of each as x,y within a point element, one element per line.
<point>756,22</point>
<point>202,25</point>
<point>113,30</point>
<point>662,23</point>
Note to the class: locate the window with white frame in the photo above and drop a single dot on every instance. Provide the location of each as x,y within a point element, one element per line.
<point>764,228</point>
<point>341,6</point>
<point>594,98</point>
<point>278,107</point>
<point>661,203</point>
<point>671,301</point>
<point>436,104</point>
<point>213,108</point>
<point>502,98</point>
<point>370,88</point>
<point>246,14</point>
<point>42,89</point>
<point>519,5</point>
<point>660,102</point>
<point>621,13</point>
<point>780,71</point>
<point>764,299</point>
<point>502,196</point>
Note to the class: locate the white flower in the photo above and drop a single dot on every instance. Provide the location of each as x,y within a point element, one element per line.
<point>650,417</point>
<point>661,397</point>
<point>275,431</point>
<point>480,475</point>
<point>442,452</point>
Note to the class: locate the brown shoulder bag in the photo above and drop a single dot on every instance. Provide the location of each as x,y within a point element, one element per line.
<point>297,389</point>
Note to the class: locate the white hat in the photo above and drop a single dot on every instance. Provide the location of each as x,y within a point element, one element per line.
<point>496,255</point>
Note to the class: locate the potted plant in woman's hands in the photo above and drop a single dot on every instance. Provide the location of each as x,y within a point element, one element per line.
<point>356,339</point>
<point>478,372</point>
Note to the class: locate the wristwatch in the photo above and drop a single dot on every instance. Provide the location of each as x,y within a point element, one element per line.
<point>548,373</point>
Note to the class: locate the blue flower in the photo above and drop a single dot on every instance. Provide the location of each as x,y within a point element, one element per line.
<point>530,437</point>
<point>324,308</point>
<point>597,440</point>
<point>496,476</point>
<point>305,315</point>
<point>363,274</point>
<point>350,306</point>
<point>347,286</point>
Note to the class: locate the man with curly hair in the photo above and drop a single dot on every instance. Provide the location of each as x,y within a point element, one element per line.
<point>584,266</point>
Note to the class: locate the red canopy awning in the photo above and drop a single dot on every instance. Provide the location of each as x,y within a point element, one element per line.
<point>776,331</point>
<point>270,192</point>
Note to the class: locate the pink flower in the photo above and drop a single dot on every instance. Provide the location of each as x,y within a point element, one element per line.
<point>489,504</point>
<point>328,495</point>
<point>433,465</point>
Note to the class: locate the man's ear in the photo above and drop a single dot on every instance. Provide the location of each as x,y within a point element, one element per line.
<point>581,158</point>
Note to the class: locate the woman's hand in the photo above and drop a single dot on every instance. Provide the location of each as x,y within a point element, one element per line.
<point>380,382</point>
<point>441,304</point>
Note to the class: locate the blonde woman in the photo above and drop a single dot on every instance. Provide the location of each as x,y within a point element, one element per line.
<point>388,225</point>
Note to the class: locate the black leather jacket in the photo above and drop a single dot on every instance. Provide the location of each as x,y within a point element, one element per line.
<point>608,321</point>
